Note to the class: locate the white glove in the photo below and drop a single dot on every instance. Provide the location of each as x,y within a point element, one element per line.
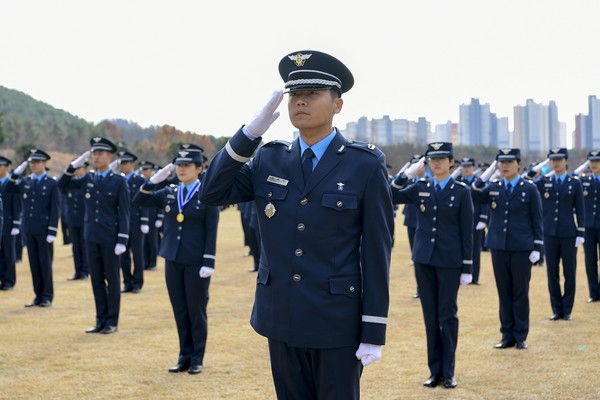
<point>19,170</point>
<point>411,171</point>
<point>120,249</point>
<point>541,165</point>
<point>488,172</point>
<point>582,168</point>
<point>456,172</point>
<point>50,238</point>
<point>534,256</point>
<point>495,175</point>
<point>579,241</point>
<point>480,226</point>
<point>158,223</point>
<point>403,168</point>
<point>114,165</point>
<point>263,120</point>
<point>162,173</point>
<point>368,353</point>
<point>15,231</point>
<point>465,279</point>
<point>79,161</point>
<point>145,229</point>
<point>205,272</point>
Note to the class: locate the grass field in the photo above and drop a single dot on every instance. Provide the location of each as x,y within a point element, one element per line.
<point>45,354</point>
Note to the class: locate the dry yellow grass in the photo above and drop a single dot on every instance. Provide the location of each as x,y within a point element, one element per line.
<point>44,353</point>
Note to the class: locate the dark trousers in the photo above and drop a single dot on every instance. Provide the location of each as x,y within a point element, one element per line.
<point>79,256</point>
<point>104,270</point>
<point>8,275</point>
<point>438,290</point>
<point>245,229</point>
<point>254,244</point>
<point>411,240</point>
<point>590,246</point>
<point>40,263</point>
<point>477,241</point>
<point>151,247</point>
<point>512,270</point>
<point>305,374</point>
<point>557,248</point>
<point>135,246</point>
<point>189,297</point>
<point>66,231</point>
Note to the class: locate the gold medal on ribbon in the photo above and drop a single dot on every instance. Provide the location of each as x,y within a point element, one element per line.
<point>88,195</point>
<point>180,218</point>
<point>270,210</point>
<point>546,195</point>
<point>494,204</point>
<point>422,207</point>
<point>167,208</point>
<point>585,192</point>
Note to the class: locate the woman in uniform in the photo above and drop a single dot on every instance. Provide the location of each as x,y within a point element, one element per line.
<point>188,246</point>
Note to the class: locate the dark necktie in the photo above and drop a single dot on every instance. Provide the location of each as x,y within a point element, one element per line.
<point>508,188</point>
<point>99,180</point>
<point>438,188</point>
<point>307,164</point>
<point>558,182</point>
<point>185,192</point>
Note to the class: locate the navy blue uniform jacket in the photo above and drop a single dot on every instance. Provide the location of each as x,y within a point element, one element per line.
<point>591,194</point>
<point>11,205</point>
<point>444,236</point>
<point>559,203</point>
<point>107,205</point>
<point>41,205</point>
<point>192,242</point>
<point>324,269</point>
<point>515,220</point>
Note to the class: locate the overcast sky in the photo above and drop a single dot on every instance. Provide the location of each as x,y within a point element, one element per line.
<point>209,66</point>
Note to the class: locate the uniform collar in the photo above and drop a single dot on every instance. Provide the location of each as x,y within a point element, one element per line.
<point>129,175</point>
<point>319,147</point>
<point>513,182</point>
<point>2,180</point>
<point>191,185</point>
<point>562,177</point>
<point>442,183</point>
<point>105,173</point>
<point>39,178</point>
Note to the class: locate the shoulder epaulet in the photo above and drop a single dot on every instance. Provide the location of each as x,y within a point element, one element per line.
<point>277,142</point>
<point>368,147</point>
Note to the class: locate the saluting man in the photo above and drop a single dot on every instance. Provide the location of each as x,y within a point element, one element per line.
<point>41,208</point>
<point>591,196</point>
<point>10,228</point>
<point>515,239</point>
<point>106,228</point>
<point>138,228</point>
<point>326,223</point>
<point>562,196</point>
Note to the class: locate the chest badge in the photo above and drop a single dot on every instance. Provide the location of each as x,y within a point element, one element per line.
<point>340,186</point>
<point>494,205</point>
<point>546,195</point>
<point>422,208</point>
<point>585,192</point>
<point>167,208</point>
<point>88,195</point>
<point>270,210</point>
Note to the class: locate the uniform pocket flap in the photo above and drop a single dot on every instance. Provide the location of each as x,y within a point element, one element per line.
<point>271,192</point>
<point>346,285</point>
<point>340,202</point>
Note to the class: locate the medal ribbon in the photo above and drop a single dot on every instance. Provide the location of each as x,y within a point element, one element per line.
<point>180,201</point>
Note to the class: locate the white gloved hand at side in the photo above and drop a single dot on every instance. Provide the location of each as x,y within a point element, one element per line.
<point>158,223</point>
<point>480,226</point>
<point>50,238</point>
<point>120,249</point>
<point>368,353</point>
<point>465,279</point>
<point>15,231</point>
<point>579,241</point>
<point>79,161</point>
<point>205,272</point>
<point>145,229</point>
<point>162,173</point>
<point>263,120</point>
<point>534,256</point>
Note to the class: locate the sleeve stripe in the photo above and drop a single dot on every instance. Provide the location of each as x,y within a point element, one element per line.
<point>541,242</point>
<point>483,216</point>
<point>468,262</point>
<point>374,319</point>
<point>209,256</point>
<point>581,229</point>
<point>51,228</point>
<point>145,191</point>
<point>123,235</point>
<point>396,186</point>
<point>235,155</point>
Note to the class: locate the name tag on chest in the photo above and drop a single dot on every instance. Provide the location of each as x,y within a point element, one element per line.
<point>424,194</point>
<point>277,181</point>
<point>494,193</point>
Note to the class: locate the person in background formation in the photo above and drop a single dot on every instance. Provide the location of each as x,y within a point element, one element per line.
<point>189,248</point>
<point>40,211</point>
<point>254,234</point>
<point>410,209</point>
<point>480,216</point>
<point>515,239</point>
<point>64,226</point>
<point>591,199</point>
<point>246,231</point>
<point>562,196</point>
<point>326,224</point>
<point>133,280</point>
<point>106,228</point>
<point>10,228</point>
<point>155,221</point>
<point>75,210</point>
<point>442,255</point>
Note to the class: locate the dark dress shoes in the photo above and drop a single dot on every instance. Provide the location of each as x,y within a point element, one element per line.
<point>136,290</point>
<point>195,369</point>
<point>94,329</point>
<point>34,303</point>
<point>567,317</point>
<point>592,300</point>
<point>126,290</point>
<point>179,368</point>
<point>433,381</point>
<point>108,329</point>
<point>521,345</point>
<point>74,278</point>
<point>505,344</point>
<point>6,287</point>
<point>416,296</point>
<point>450,383</point>
<point>555,317</point>
<point>45,303</point>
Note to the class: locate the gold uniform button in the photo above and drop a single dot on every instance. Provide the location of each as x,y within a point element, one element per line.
<point>296,278</point>
<point>298,252</point>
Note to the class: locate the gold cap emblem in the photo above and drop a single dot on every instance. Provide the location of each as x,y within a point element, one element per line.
<point>436,146</point>
<point>505,151</point>
<point>183,153</point>
<point>97,139</point>
<point>299,59</point>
